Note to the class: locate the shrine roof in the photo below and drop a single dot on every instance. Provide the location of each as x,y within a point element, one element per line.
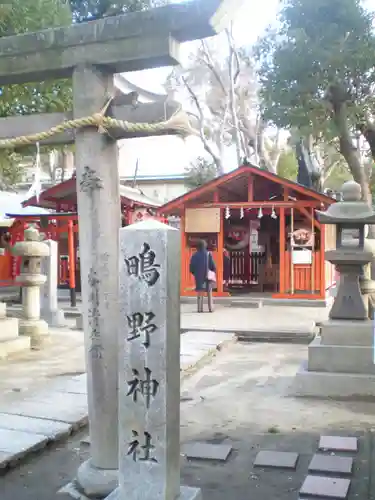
<point>66,191</point>
<point>236,180</point>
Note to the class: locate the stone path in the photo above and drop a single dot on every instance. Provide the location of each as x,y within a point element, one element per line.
<point>282,447</point>
<point>32,419</point>
<point>240,400</point>
<point>291,324</point>
<point>268,323</point>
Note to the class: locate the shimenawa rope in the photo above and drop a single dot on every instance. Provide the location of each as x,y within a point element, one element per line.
<point>178,123</point>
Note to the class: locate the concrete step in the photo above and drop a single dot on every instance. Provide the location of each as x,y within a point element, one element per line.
<point>261,301</point>
<point>340,359</point>
<point>302,336</point>
<point>333,385</point>
<point>8,329</point>
<point>13,346</point>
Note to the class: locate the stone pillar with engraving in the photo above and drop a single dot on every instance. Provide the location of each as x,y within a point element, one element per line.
<point>31,251</point>
<point>149,365</point>
<point>98,196</point>
<point>340,361</point>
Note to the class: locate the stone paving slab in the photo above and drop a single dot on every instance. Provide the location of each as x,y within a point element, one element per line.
<point>206,451</point>
<point>73,385</point>
<point>68,408</point>
<point>331,464</point>
<point>276,459</point>
<point>30,421</point>
<point>5,458</point>
<point>325,487</point>
<point>205,338</point>
<point>338,443</point>
<point>17,443</point>
<point>49,428</point>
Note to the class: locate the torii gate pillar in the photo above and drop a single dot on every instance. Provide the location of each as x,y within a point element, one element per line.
<point>99,212</point>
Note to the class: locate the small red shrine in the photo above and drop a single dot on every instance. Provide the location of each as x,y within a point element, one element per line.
<point>62,225</point>
<point>264,227</point>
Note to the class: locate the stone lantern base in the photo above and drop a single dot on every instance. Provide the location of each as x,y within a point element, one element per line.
<point>37,330</point>
<point>340,362</point>
<point>10,342</point>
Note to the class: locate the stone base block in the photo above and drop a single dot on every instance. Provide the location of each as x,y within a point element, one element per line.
<point>347,333</point>
<point>54,318</point>
<point>186,493</point>
<point>333,385</point>
<point>79,322</point>
<point>13,346</point>
<point>8,329</point>
<point>3,310</point>
<point>37,330</point>
<point>340,358</point>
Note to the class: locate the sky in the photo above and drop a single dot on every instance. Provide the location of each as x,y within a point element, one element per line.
<point>170,155</point>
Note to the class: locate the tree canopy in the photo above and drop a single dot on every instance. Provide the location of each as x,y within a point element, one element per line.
<point>199,173</point>
<point>21,16</point>
<point>317,73</point>
<point>88,10</point>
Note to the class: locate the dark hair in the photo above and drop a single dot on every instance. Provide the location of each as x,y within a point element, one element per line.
<point>201,245</point>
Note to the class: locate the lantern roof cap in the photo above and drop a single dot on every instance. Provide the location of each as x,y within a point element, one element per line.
<point>351,210</point>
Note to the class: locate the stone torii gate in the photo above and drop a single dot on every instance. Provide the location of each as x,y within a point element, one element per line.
<point>91,53</point>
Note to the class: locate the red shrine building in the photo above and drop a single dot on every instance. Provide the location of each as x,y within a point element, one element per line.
<point>262,229</point>
<point>61,225</point>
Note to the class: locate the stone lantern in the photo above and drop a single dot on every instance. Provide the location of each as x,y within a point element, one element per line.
<point>351,255</point>
<point>31,251</point>
<point>340,360</point>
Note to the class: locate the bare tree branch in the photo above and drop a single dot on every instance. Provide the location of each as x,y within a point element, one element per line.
<point>233,75</point>
<point>201,121</point>
<point>211,66</point>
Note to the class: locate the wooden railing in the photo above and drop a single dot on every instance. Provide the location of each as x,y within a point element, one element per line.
<point>245,267</point>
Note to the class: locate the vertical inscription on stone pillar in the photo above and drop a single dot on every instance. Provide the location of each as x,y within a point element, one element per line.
<point>149,391</point>
<point>90,181</point>
<point>96,347</point>
<point>143,266</point>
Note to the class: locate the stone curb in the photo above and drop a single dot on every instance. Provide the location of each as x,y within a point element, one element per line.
<point>52,415</point>
<point>281,336</point>
<point>211,353</point>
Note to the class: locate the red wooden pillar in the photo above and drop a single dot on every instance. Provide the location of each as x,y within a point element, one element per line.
<point>220,256</point>
<point>282,251</point>
<point>322,276</point>
<point>250,188</point>
<point>184,256</point>
<point>72,266</point>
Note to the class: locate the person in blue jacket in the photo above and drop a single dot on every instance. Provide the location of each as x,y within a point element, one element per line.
<point>202,267</point>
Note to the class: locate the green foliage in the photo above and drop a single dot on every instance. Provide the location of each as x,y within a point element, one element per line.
<point>287,165</point>
<point>199,173</point>
<point>372,181</point>
<point>337,177</point>
<point>320,44</point>
<point>21,16</point>
<point>85,10</point>
<point>11,170</point>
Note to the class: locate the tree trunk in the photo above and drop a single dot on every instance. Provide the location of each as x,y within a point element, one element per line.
<point>233,111</point>
<point>348,150</point>
<point>350,154</point>
<point>368,132</point>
